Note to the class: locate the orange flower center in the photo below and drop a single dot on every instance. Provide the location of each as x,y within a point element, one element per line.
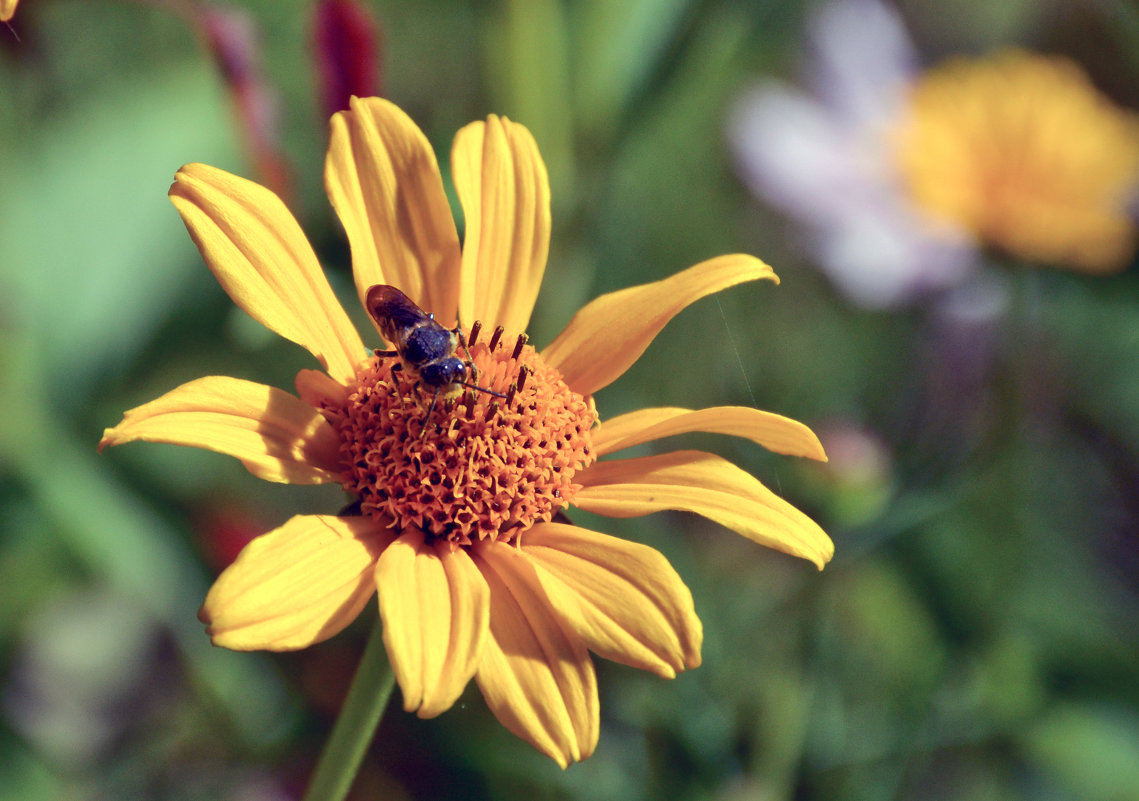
<point>471,466</point>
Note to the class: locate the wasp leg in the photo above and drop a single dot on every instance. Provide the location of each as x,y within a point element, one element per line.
<point>395,382</point>
<point>474,371</point>
<point>427,417</point>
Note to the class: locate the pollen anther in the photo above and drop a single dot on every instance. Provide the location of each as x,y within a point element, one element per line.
<point>497,335</point>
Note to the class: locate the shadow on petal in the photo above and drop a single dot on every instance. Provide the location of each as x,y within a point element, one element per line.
<point>535,674</point>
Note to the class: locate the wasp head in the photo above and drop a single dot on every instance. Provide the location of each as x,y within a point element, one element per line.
<point>442,373</point>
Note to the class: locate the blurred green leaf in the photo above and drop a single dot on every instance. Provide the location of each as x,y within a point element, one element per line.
<point>528,53</point>
<point>1093,751</point>
<point>617,46</point>
<point>92,253</point>
<point>24,776</point>
<point>127,547</point>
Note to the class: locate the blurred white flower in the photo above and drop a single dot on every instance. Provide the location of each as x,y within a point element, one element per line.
<point>826,157</point>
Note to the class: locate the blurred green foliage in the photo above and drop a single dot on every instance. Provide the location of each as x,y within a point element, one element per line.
<point>977,635</point>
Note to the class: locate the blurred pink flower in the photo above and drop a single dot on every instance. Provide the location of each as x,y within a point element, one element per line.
<point>825,156</point>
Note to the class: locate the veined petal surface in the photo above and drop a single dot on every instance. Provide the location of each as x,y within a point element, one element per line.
<point>776,433</point>
<point>296,585</point>
<point>435,606</point>
<point>610,333</point>
<point>383,180</point>
<point>623,598</point>
<point>261,258</point>
<point>505,193</point>
<point>278,437</point>
<point>708,485</point>
<point>535,674</point>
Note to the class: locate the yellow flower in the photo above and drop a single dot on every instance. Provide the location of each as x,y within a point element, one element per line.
<point>7,9</point>
<point>1022,151</point>
<point>457,525</point>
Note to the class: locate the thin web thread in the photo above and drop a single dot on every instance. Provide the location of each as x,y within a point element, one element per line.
<point>743,374</point>
<point>736,352</point>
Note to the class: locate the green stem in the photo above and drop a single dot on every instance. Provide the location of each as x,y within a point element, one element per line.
<point>371,688</point>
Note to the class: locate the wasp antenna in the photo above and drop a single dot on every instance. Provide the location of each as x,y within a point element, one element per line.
<point>497,335</point>
<point>475,329</point>
<point>482,389</point>
<point>521,343</point>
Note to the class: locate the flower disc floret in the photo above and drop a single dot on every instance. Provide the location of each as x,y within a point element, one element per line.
<point>470,467</point>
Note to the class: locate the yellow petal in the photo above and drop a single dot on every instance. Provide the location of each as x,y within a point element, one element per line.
<point>624,599</point>
<point>296,585</point>
<point>607,335</point>
<point>435,606</point>
<point>7,9</point>
<point>502,185</point>
<point>535,673</point>
<point>703,483</point>
<point>319,391</point>
<point>383,180</point>
<point>277,436</point>
<point>261,258</point>
<point>772,431</point>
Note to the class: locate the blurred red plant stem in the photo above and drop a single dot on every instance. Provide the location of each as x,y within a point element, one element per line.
<point>346,43</point>
<point>223,530</point>
<point>230,37</point>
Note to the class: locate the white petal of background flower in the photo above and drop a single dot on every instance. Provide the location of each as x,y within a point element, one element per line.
<point>825,158</point>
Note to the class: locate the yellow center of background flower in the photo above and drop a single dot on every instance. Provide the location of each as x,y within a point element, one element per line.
<point>477,467</point>
<point>1023,152</point>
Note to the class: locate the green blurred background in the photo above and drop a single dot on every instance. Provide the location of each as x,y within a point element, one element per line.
<point>977,634</point>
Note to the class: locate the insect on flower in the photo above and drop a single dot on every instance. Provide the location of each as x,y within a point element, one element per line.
<point>426,348</point>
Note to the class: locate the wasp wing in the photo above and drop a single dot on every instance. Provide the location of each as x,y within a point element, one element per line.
<point>394,312</point>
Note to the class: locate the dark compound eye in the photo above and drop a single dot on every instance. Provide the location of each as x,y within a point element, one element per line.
<point>442,372</point>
